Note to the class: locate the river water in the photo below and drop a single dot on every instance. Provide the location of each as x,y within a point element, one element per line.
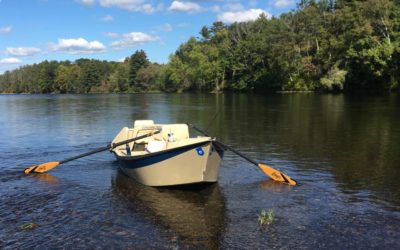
<point>343,150</point>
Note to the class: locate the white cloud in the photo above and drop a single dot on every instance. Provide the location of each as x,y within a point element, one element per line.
<point>131,5</point>
<point>283,3</point>
<point>111,34</point>
<point>10,60</point>
<point>78,46</point>
<point>22,51</point>
<point>148,8</point>
<point>86,2</point>
<point>233,7</point>
<point>166,27</point>
<point>123,4</point>
<point>107,18</point>
<point>253,3</point>
<point>133,39</point>
<point>6,29</point>
<point>183,25</point>
<point>184,6</point>
<point>242,16</point>
<point>215,8</point>
<point>122,59</point>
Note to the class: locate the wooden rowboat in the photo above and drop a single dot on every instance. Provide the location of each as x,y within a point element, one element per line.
<point>168,158</point>
<point>165,155</point>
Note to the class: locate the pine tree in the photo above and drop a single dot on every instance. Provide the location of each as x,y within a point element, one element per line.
<point>137,61</point>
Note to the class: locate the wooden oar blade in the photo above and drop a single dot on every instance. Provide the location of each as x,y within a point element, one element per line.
<point>41,168</point>
<point>276,175</point>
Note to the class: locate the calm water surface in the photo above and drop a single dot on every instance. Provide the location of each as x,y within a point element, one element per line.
<point>344,150</point>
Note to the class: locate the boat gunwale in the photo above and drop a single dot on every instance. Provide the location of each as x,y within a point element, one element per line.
<point>137,157</point>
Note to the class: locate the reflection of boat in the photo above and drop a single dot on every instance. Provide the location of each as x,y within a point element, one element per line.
<point>168,158</point>
<point>197,217</point>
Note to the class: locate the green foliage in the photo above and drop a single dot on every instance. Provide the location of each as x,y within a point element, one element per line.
<point>323,45</point>
<point>82,76</point>
<point>334,80</point>
<point>28,226</point>
<point>67,78</point>
<point>330,45</point>
<point>118,80</point>
<point>137,61</point>
<point>148,78</point>
<point>47,75</point>
<point>266,217</point>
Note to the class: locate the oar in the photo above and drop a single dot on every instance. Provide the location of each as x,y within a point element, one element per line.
<point>44,167</point>
<point>271,172</point>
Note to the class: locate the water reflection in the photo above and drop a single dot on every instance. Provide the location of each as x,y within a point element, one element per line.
<point>45,177</point>
<point>342,149</point>
<point>354,138</point>
<point>195,217</point>
<point>273,186</point>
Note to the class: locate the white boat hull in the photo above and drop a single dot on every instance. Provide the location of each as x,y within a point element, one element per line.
<point>190,164</point>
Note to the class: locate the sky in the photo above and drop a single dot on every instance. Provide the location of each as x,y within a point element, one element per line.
<point>32,31</point>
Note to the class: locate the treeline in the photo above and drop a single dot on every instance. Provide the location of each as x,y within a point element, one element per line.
<point>330,45</point>
<point>135,74</point>
<point>327,45</point>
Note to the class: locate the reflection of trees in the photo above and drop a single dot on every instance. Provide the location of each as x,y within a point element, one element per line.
<point>358,135</point>
<point>197,217</point>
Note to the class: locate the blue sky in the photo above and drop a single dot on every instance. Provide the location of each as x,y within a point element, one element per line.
<point>35,30</point>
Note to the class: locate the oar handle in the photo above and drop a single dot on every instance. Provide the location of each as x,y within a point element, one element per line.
<point>224,145</point>
<point>196,128</point>
<point>109,146</point>
<point>114,145</point>
<point>237,152</point>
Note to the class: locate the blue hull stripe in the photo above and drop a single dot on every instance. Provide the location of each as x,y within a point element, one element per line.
<point>138,162</point>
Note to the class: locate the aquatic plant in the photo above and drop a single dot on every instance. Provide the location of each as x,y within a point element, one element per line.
<point>28,226</point>
<point>266,217</point>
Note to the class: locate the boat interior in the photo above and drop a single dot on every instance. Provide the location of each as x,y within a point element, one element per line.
<point>171,136</point>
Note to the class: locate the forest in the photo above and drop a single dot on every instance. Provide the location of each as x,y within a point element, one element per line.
<point>326,45</point>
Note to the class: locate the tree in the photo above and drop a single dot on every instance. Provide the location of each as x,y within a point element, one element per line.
<point>68,79</point>
<point>47,75</point>
<point>205,33</point>
<point>149,77</point>
<point>91,75</point>
<point>136,61</point>
<point>118,80</point>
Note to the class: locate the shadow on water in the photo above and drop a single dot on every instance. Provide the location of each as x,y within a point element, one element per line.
<point>196,216</point>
